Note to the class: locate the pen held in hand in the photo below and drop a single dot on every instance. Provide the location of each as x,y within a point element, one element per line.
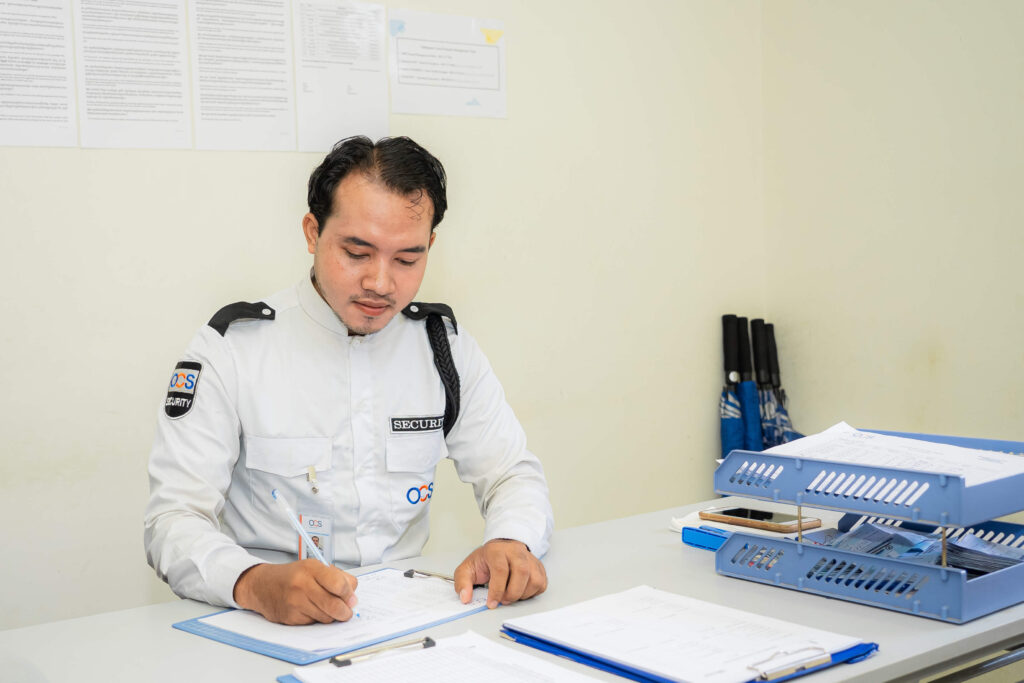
<point>293,519</point>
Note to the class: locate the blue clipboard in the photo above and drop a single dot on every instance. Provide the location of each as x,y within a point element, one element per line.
<point>848,656</point>
<point>291,654</point>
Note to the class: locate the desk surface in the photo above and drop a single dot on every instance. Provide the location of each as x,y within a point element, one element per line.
<point>584,562</point>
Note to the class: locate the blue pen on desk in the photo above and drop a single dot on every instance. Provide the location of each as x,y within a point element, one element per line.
<point>311,547</point>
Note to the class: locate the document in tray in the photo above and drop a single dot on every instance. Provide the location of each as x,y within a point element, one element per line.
<point>468,657</point>
<point>390,605</point>
<point>658,635</point>
<point>843,443</point>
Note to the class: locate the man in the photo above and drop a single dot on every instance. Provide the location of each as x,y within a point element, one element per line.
<point>333,394</point>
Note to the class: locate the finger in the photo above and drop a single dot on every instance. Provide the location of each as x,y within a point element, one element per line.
<point>296,610</point>
<point>334,580</point>
<point>335,608</point>
<point>538,581</point>
<point>352,600</point>
<point>465,577</point>
<point>518,578</point>
<point>314,608</point>
<point>497,564</point>
<point>338,598</point>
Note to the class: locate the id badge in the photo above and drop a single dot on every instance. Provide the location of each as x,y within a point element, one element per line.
<point>319,529</point>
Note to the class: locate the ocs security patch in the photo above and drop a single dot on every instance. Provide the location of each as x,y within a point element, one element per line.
<point>181,393</point>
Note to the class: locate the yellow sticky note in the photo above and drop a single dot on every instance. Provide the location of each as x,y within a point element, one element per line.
<point>492,35</point>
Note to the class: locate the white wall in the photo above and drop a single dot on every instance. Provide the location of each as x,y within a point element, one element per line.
<point>894,211</point>
<point>584,235</point>
<point>859,159</point>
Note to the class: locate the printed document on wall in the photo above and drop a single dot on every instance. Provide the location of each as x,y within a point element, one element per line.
<point>340,71</point>
<point>37,79</point>
<point>132,73</point>
<point>443,64</point>
<point>242,74</point>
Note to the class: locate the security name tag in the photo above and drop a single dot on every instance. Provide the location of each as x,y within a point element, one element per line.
<point>319,529</point>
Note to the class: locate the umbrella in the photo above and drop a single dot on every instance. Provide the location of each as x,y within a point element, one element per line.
<point>729,404</point>
<point>746,391</point>
<point>776,427</point>
<point>768,404</point>
<point>785,425</point>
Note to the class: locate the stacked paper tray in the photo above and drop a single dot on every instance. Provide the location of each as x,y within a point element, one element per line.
<point>923,497</point>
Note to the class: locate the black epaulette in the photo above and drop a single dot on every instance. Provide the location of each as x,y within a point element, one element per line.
<point>437,335</point>
<point>241,310</point>
<point>418,310</point>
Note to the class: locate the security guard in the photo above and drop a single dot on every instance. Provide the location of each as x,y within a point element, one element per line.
<point>342,394</point>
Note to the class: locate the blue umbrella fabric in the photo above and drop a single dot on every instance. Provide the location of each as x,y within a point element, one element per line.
<point>771,428</point>
<point>746,392</point>
<point>784,431</point>
<point>776,427</point>
<point>767,406</point>
<point>783,428</point>
<point>729,413</point>
<point>750,407</point>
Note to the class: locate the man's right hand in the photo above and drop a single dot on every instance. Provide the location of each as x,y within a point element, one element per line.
<point>298,592</point>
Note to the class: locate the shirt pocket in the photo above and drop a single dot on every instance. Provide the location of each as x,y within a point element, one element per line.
<point>283,463</point>
<point>410,462</point>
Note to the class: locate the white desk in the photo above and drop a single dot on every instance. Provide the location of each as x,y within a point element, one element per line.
<point>140,645</point>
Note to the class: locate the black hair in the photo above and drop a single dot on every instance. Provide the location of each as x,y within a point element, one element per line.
<point>399,164</point>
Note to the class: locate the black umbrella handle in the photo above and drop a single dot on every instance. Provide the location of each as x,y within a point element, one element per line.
<point>760,339</point>
<point>746,368</point>
<point>773,356</point>
<point>730,349</point>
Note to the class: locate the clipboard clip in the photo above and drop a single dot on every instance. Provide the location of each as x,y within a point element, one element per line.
<point>418,573</point>
<point>818,657</point>
<point>423,574</point>
<point>366,653</point>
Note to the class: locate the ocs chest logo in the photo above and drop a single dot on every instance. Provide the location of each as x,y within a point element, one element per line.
<point>419,494</point>
<point>181,391</point>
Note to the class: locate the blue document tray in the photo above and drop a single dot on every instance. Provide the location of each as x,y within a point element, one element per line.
<point>925,498</point>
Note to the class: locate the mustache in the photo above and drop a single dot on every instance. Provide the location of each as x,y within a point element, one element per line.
<point>372,299</point>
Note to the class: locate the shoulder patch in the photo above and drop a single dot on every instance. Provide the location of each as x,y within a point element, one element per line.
<point>418,310</point>
<point>241,310</point>
<point>181,392</point>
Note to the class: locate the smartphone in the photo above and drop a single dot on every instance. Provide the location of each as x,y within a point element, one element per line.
<point>759,519</point>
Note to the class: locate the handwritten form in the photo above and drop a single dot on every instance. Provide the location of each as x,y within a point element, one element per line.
<point>843,443</point>
<point>680,638</point>
<point>389,605</point>
<point>468,657</point>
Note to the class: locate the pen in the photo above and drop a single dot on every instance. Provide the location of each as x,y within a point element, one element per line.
<point>413,573</point>
<point>366,653</point>
<point>311,547</point>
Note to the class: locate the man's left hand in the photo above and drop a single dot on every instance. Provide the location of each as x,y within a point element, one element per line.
<point>508,567</point>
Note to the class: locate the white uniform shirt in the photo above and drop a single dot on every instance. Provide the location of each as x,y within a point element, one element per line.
<point>274,398</point>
